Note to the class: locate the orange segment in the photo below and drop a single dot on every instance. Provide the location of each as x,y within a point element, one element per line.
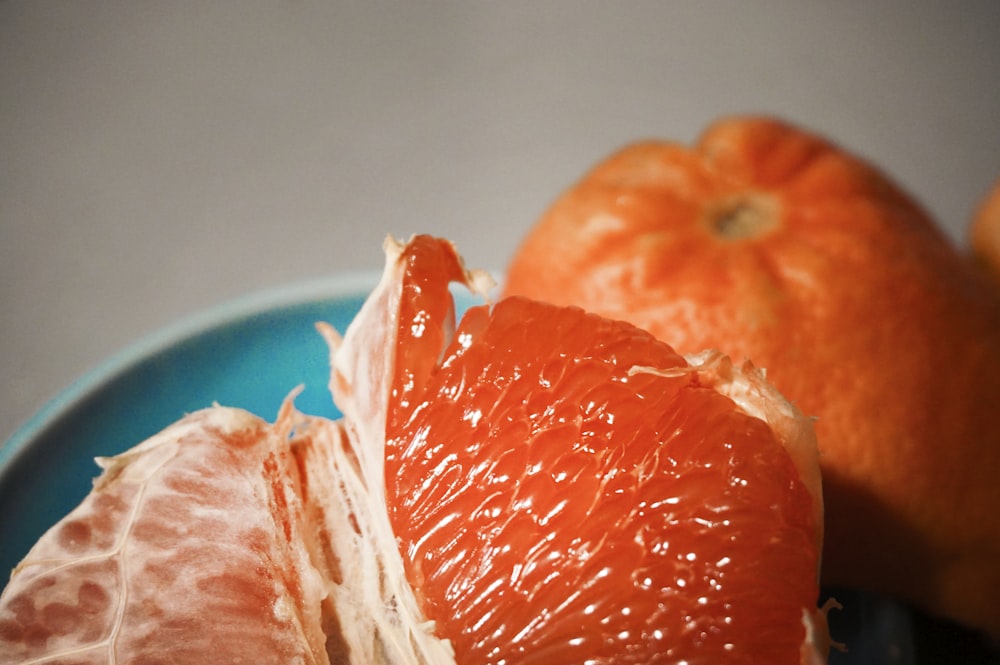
<point>553,507</point>
<point>564,487</point>
<point>190,545</point>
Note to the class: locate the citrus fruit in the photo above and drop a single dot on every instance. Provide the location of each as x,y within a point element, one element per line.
<point>224,539</point>
<point>537,484</point>
<point>189,547</point>
<point>566,488</point>
<point>768,242</point>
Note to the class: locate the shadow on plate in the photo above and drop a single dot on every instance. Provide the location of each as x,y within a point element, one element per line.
<point>882,631</point>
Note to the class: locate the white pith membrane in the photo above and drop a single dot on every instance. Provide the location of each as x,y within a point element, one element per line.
<point>191,543</point>
<point>374,597</point>
<point>370,612</point>
<point>310,494</point>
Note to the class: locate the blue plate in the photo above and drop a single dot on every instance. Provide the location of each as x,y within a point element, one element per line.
<point>252,353</point>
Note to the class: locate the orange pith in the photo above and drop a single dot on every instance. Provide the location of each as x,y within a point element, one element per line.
<point>553,506</point>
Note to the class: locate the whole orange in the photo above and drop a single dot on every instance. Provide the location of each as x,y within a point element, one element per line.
<point>768,242</point>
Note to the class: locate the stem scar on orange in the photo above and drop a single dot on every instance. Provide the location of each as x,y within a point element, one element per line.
<point>768,242</point>
<point>567,488</point>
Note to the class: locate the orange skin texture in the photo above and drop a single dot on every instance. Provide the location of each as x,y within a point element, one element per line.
<point>770,243</point>
<point>984,234</point>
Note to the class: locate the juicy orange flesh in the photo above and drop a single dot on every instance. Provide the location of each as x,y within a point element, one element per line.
<point>552,508</point>
<point>425,318</point>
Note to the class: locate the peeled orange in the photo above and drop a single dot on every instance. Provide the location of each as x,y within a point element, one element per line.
<point>535,484</point>
<point>191,548</point>
<point>565,488</point>
<point>768,242</point>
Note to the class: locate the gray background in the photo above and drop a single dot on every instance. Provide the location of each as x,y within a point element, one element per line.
<point>160,158</point>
